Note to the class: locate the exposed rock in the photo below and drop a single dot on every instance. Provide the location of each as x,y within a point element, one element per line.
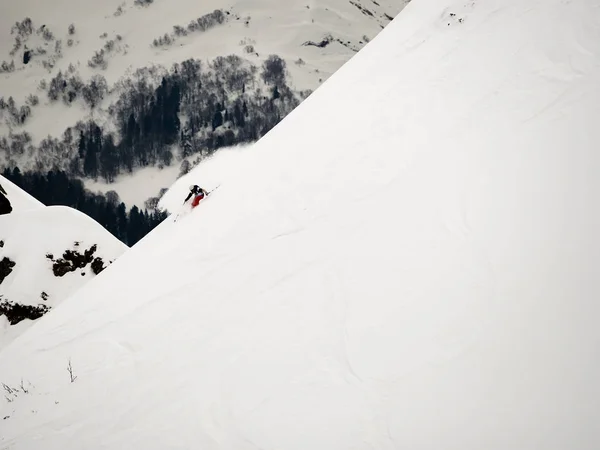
<point>5,206</point>
<point>73,260</point>
<point>6,266</point>
<point>15,312</point>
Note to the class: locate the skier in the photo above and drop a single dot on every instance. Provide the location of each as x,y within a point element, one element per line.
<point>199,195</point>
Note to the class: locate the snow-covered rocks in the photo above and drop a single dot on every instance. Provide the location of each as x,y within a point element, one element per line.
<point>46,254</point>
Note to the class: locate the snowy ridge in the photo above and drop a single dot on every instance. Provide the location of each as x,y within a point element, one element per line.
<point>46,254</point>
<point>422,276</point>
<point>18,198</point>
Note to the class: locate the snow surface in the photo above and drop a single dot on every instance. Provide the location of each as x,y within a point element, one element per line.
<point>409,260</point>
<point>31,235</point>
<point>18,198</point>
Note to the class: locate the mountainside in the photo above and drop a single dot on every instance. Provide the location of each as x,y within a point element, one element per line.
<point>71,66</point>
<point>407,260</point>
<point>46,254</point>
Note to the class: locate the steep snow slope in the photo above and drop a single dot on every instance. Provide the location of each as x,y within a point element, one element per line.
<point>18,198</point>
<point>50,252</point>
<point>407,261</point>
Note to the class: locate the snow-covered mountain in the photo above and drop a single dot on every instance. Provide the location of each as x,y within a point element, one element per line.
<point>408,260</point>
<point>46,254</point>
<point>112,39</point>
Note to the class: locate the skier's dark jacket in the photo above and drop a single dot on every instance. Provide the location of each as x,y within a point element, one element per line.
<point>195,190</point>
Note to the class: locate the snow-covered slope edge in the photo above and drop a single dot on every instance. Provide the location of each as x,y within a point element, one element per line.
<point>17,199</point>
<point>46,254</point>
<point>419,277</point>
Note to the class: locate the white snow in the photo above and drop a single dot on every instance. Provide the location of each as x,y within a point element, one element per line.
<point>409,260</point>
<point>28,237</point>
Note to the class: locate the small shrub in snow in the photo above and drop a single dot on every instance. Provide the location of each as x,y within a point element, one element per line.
<point>70,370</point>
<point>274,70</point>
<point>249,49</point>
<point>23,28</point>
<point>69,42</point>
<point>7,67</point>
<point>57,85</point>
<point>71,29</point>
<point>74,89</point>
<point>94,92</point>
<point>23,115</point>
<point>17,45</point>
<point>33,100</point>
<point>143,2</point>
<point>179,30</point>
<point>47,34</point>
<point>11,106</point>
<point>98,61</point>
<point>163,41</point>
<point>24,389</point>
<point>19,143</point>
<point>109,46</point>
